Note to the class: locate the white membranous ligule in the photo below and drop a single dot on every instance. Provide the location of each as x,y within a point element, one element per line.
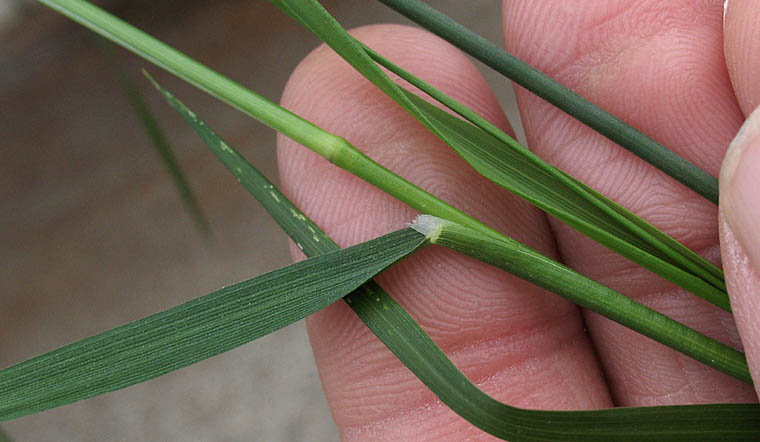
<point>428,225</point>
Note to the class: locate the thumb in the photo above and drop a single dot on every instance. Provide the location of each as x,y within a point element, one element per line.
<point>740,235</point>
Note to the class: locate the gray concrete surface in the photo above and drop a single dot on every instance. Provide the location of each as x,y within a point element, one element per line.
<point>92,234</point>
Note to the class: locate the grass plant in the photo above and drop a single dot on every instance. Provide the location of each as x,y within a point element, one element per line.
<point>237,314</point>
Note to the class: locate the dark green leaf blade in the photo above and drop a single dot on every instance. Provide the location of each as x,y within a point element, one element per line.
<point>632,227</point>
<point>399,332</point>
<point>540,84</point>
<point>196,330</point>
<point>515,172</point>
<point>403,336</point>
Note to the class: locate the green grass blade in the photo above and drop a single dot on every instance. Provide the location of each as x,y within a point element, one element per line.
<point>658,240</point>
<point>512,166</point>
<point>417,351</point>
<point>530,265</point>
<point>518,172</point>
<point>578,107</point>
<point>735,422</point>
<point>330,146</point>
<point>196,330</point>
<point>559,278</point>
<point>339,151</point>
<point>158,140</point>
<point>397,330</point>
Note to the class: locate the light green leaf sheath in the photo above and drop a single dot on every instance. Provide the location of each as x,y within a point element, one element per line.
<point>196,330</point>
<point>401,334</point>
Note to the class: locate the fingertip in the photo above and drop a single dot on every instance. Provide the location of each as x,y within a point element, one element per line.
<point>739,186</point>
<point>740,234</point>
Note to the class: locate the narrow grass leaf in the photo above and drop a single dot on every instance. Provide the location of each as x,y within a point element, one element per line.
<point>504,161</point>
<point>545,87</point>
<point>338,150</point>
<point>632,225</point>
<point>398,331</point>
<point>403,336</point>
<point>158,140</point>
<point>196,330</point>
<point>532,266</point>
<point>332,147</point>
<point>561,196</point>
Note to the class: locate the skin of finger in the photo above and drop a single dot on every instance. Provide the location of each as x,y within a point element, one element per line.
<point>518,343</point>
<point>743,284</point>
<point>741,25</point>
<point>660,66</point>
<point>742,46</point>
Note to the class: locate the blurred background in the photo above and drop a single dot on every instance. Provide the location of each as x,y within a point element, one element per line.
<point>93,233</point>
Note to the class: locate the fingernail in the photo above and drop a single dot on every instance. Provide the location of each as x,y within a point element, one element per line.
<point>740,187</point>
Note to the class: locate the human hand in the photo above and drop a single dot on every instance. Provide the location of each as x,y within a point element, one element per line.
<point>658,66</point>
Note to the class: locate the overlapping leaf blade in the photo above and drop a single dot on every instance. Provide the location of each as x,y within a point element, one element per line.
<point>667,245</point>
<point>403,336</point>
<point>518,170</point>
<point>545,87</point>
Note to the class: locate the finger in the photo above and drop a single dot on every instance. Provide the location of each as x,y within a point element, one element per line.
<point>520,344</point>
<point>658,65</point>
<point>740,235</point>
<point>742,51</point>
<point>739,184</point>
